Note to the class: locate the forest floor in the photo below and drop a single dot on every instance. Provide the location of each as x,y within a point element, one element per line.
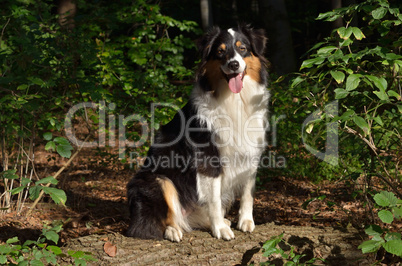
<point>97,204</point>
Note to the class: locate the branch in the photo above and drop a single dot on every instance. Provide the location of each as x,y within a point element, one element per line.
<point>375,150</point>
<point>56,176</point>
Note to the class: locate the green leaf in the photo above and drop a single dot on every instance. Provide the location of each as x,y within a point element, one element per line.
<point>313,61</point>
<point>385,199</point>
<point>10,174</point>
<point>382,95</point>
<point>25,181</point>
<point>76,254</point>
<point>48,136</point>
<point>352,82</point>
<point>360,122</point>
<point>379,13</point>
<point>380,83</point>
<point>309,128</point>
<point>339,76</point>
<point>272,242</point>
<point>37,81</point>
<point>378,120</point>
<point>381,200</point>
<point>64,150</point>
<point>326,49</point>
<point>29,242</point>
<point>340,93</point>
<point>297,81</point>
<point>57,195</point>
<point>268,252</point>
<point>12,240</point>
<point>36,263</point>
<point>346,116</point>
<point>374,230</point>
<point>61,141</point>
<point>46,180</point>
<point>55,249</point>
<point>34,192</point>
<point>344,33</point>
<point>386,216</point>
<point>158,57</point>
<point>370,246</point>
<point>17,190</point>
<point>358,33</point>
<point>392,93</point>
<point>52,236</point>
<point>50,146</point>
<point>3,259</point>
<point>394,247</point>
<point>392,236</point>
<point>397,212</point>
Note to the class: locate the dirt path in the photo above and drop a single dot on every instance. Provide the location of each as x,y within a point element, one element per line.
<point>337,247</point>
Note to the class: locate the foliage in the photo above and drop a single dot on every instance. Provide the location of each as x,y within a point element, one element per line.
<point>119,56</point>
<point>390,241</point>
<point>272,246</point>
<point>40,252</point>
<point>360,67</point>
<point>63,148</point>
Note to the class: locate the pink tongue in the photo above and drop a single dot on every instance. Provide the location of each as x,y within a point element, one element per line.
<point>235,83</point>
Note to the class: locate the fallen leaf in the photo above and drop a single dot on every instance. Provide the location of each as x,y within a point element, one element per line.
<point>110,249</point>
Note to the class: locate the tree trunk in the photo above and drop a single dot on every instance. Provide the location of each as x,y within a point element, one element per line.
<point>280,45</point>
<point>66,10</point>
<point>336,246</point>
<point>335,4</point>
<point>206,14</point>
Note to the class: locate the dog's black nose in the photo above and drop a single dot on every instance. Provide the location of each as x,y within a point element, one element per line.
<point>234,65</point>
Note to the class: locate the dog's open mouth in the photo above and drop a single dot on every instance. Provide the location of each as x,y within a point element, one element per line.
<point>235,82</point>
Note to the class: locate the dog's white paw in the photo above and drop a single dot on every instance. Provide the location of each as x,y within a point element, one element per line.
<point>246,225</point>
<point>223,232</point>
<point>173,234</point>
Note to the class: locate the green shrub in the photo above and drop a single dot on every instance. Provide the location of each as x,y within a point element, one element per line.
<point>39,252</point>
<point>360,68</point>
<point>120,56</point>
<point>391,210</point>
<point>286,252</point>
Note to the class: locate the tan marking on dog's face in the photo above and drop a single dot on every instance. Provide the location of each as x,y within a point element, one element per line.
<point>238,43</point>
<point>253,67</point>
<point>212,70</point>
<point>221,49</point>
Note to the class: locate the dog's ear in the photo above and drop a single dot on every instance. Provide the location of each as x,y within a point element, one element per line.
<point>257,37</point>
<point>205,43</point>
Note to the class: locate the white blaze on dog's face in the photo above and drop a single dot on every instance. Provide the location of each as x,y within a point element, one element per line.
<point>235,65</point>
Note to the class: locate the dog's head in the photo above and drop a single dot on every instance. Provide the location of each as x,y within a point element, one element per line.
<point>231,55</point>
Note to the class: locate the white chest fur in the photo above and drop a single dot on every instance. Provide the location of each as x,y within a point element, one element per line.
<point>238,122</point>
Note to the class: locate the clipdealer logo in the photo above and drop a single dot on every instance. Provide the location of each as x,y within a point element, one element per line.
<point>112,131</point>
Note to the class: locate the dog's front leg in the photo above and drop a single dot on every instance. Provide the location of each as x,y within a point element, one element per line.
<point>219,228</point>
<point>246,221</point>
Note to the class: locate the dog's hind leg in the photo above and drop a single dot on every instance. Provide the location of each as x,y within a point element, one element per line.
<point>155,209</point>
<point>175,222</point>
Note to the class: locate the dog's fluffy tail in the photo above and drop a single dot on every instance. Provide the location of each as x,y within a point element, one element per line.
<point>154,205</point>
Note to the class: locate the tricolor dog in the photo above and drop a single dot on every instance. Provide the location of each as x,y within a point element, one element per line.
<point>208,155</point>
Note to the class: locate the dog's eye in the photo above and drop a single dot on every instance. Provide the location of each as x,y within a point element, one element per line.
<point>221,51</point>
<point>242,48</point>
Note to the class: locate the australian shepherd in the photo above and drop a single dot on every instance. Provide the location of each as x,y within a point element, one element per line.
<point>208,154</point>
